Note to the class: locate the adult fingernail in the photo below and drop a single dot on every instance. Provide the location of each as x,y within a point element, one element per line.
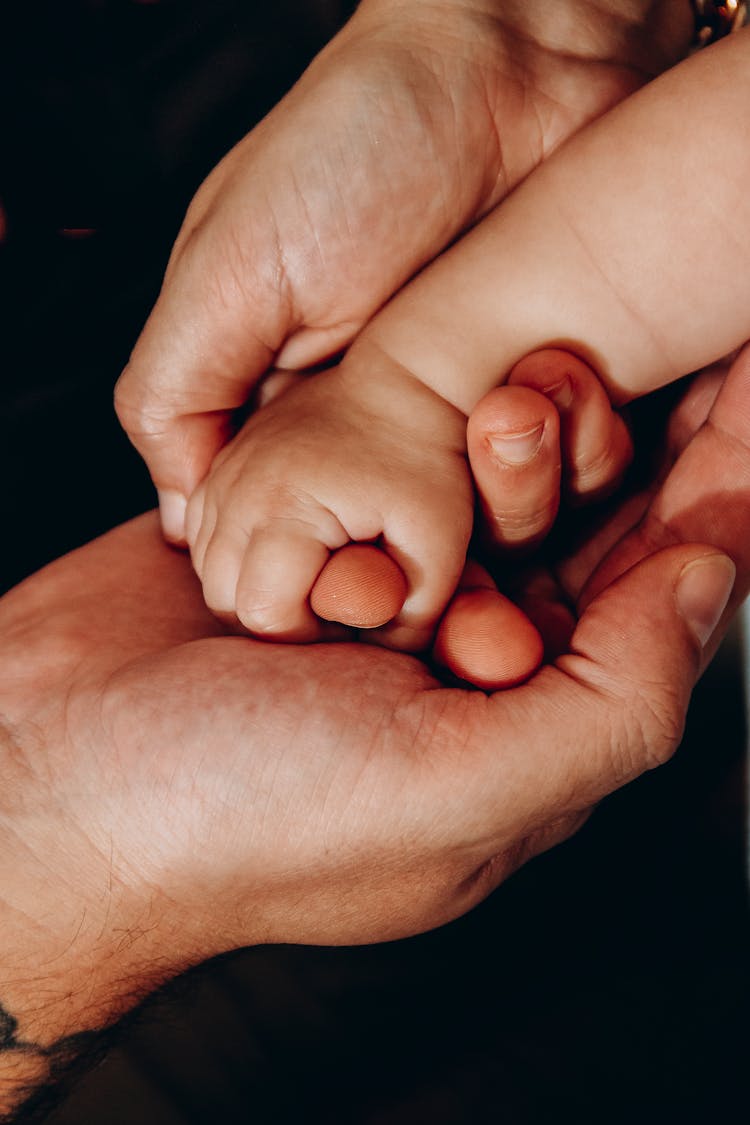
<point>703,590</point>
<point>172,507</point>
<point>517,449</point>
<point>561,393</point>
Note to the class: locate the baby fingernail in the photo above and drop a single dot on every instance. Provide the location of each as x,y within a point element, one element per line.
<point>702,593</point>
<point>517,449</point>
<point>172,507</point>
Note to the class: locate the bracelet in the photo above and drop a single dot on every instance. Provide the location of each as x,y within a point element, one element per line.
<point>716,18</point>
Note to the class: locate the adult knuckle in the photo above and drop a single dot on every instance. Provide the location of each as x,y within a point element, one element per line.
<point>144,408</point>
<point>518,523</point>
<point>595,468</point>
<point>130,400</point>
<point>653,729</point>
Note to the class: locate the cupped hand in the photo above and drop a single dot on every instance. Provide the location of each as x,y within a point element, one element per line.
<point>414,122</point>
<point>698,491</point>
<point>198,792</point>
<point>174,792</point>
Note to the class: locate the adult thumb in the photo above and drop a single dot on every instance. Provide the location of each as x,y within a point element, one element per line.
<point>612,707</point>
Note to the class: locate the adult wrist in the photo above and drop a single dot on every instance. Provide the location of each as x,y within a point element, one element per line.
<point>650,35</point>
<point>574,59</point>
<point>647,35</point>
<point>102,897</point>
<point>76,949</point>
<point>64,985</point>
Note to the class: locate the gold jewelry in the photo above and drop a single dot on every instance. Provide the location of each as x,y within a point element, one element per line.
<point>716,18</point>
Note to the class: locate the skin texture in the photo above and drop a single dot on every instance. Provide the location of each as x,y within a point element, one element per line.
<point>377,441</point>
<point>631,233</point>
<point>177,791</point>
<point>484,638</point>
<point>262,525</point>
<point>414,122</point>
<point>363,587</point>
<point>359,586</point>
<point>503,648</point>
<point>128,854</point>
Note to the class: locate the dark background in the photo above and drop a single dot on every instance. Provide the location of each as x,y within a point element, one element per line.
<point>606,983</point>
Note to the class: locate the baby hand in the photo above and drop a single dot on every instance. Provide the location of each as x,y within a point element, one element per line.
<point>349,455</point>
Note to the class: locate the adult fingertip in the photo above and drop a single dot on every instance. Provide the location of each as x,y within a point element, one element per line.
<point>516,448</point>
<point>702,592</point>
<point>360,586</point>
<point>487,640</point>
<point>172,510</point>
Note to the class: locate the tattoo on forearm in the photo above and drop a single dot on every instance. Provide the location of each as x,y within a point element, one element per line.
<point>8,1028</point>
<point>8,1034</point>
<point>55,1066</point>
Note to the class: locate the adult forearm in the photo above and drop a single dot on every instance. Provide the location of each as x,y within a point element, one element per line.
<point>63,980</point>
<point>78,947</point>
<point>94,911</point>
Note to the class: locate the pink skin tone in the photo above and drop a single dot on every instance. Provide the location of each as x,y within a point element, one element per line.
<point>350,226</point>
<point>374,449</point>
<point>374,843</point>
<point>321,213</point>
<point>197,791</point>
<point>365,594</point>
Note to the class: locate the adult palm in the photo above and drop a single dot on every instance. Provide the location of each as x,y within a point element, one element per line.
<point>173,792</point>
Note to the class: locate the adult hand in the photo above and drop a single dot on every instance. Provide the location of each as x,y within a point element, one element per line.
<point>699,490</point>
<point>173,792</point>
<point>414,122</point>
